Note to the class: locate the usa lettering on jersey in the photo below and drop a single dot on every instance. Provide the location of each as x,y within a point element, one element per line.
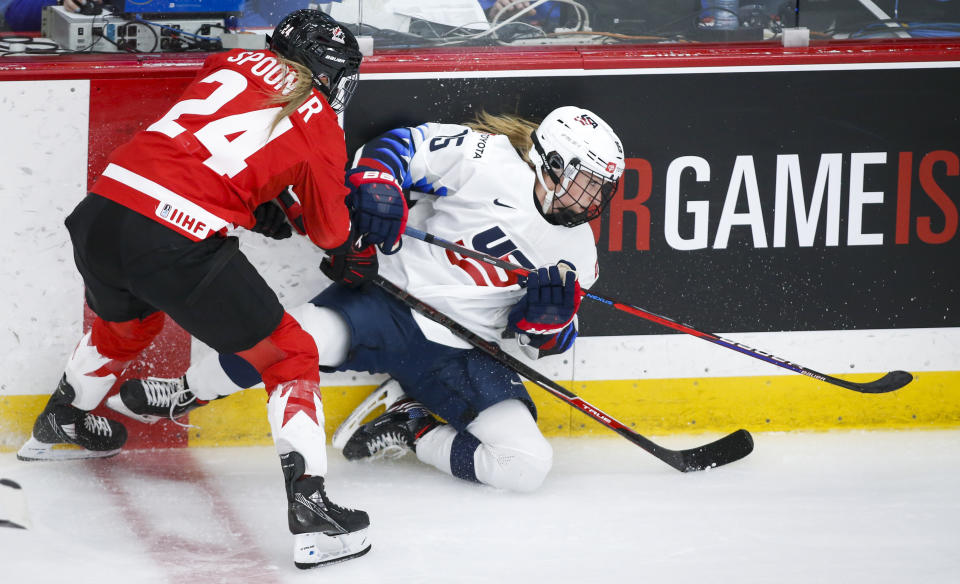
<point>495,242</point>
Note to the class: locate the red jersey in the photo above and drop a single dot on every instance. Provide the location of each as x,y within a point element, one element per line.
<point>216,155</point>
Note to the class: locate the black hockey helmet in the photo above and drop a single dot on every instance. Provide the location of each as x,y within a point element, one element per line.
<point>317,41</point>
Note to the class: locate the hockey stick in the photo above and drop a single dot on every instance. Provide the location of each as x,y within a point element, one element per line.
<point>730,448</point>
<point>891,381</point>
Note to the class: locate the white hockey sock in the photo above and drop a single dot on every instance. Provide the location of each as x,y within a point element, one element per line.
<point>86,374</point>
<point>434,447</point>
<point>295,413</point>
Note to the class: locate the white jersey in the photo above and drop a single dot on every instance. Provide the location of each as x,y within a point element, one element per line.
<point>473,189</point>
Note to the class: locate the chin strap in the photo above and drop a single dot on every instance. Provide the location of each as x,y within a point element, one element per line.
<point>540,170</point>
<point>548,197</point>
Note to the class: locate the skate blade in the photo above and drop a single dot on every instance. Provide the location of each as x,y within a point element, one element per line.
<point>386,395</point>
<point>115,403</point>
<point>35,450</point>
<point>394,452</point>
<point>312,550</point>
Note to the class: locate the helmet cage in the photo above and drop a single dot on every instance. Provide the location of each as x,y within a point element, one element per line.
<point>341,91</point>
<point>579,194</point>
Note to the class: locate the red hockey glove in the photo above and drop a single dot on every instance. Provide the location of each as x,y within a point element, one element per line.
<point>271,221</point>
<point>552,299</point>
<point>377,207</point>
<point>352,268</point>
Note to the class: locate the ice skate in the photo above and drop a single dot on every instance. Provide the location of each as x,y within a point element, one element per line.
<point>392,434</point>
<point>154,398</point>
<point>323,532</point>
<point>387,394</point>
<point>63,432</point>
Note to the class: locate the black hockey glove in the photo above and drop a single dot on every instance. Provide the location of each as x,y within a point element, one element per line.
<point>271,221</point>
<point>352,268</point>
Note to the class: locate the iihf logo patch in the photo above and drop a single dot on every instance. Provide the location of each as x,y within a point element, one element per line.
<point>586,120</point>
<point>165,210</point>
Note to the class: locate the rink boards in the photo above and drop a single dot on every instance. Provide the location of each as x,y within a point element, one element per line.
<point>713,225</point>
<point>624,377</point>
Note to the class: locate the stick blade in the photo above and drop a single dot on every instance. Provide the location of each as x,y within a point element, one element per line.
<point>890,382</point>
<point>730,448</point>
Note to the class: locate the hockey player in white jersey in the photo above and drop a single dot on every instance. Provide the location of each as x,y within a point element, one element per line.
<point>504,186</point>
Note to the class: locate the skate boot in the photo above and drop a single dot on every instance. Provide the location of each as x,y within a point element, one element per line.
<point>154,398</point>
<point>63,432</point>
<point>323,532</point>
<point>393,433</point>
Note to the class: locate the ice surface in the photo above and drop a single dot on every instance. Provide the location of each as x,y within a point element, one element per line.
<point>877,507</point>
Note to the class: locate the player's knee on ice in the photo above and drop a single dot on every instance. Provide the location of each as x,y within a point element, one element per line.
<point>513,454</point>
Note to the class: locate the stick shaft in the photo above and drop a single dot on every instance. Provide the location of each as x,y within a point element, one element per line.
<point>723,451</point>
<point>892,381</point>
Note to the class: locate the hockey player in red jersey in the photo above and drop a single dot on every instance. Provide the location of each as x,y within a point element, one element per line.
<point>150,241</point>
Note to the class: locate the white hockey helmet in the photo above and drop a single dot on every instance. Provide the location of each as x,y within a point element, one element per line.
<point>583,157</point>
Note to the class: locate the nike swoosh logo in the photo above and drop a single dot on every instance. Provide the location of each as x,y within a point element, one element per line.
<point>499,204</point>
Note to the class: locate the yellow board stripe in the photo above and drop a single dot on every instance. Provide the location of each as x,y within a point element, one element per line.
<point>779,403</point>
<point>650,406</point>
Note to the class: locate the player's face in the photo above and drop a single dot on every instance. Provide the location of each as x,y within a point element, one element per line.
<point>580,193</point>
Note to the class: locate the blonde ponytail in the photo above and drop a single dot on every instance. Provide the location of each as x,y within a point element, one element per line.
<point>295,92</point>
<point>515,128</point>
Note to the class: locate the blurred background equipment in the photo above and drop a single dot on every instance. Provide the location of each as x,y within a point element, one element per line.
<point>177,8</point>
<point>13,506</point>
<point>136,32</point>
